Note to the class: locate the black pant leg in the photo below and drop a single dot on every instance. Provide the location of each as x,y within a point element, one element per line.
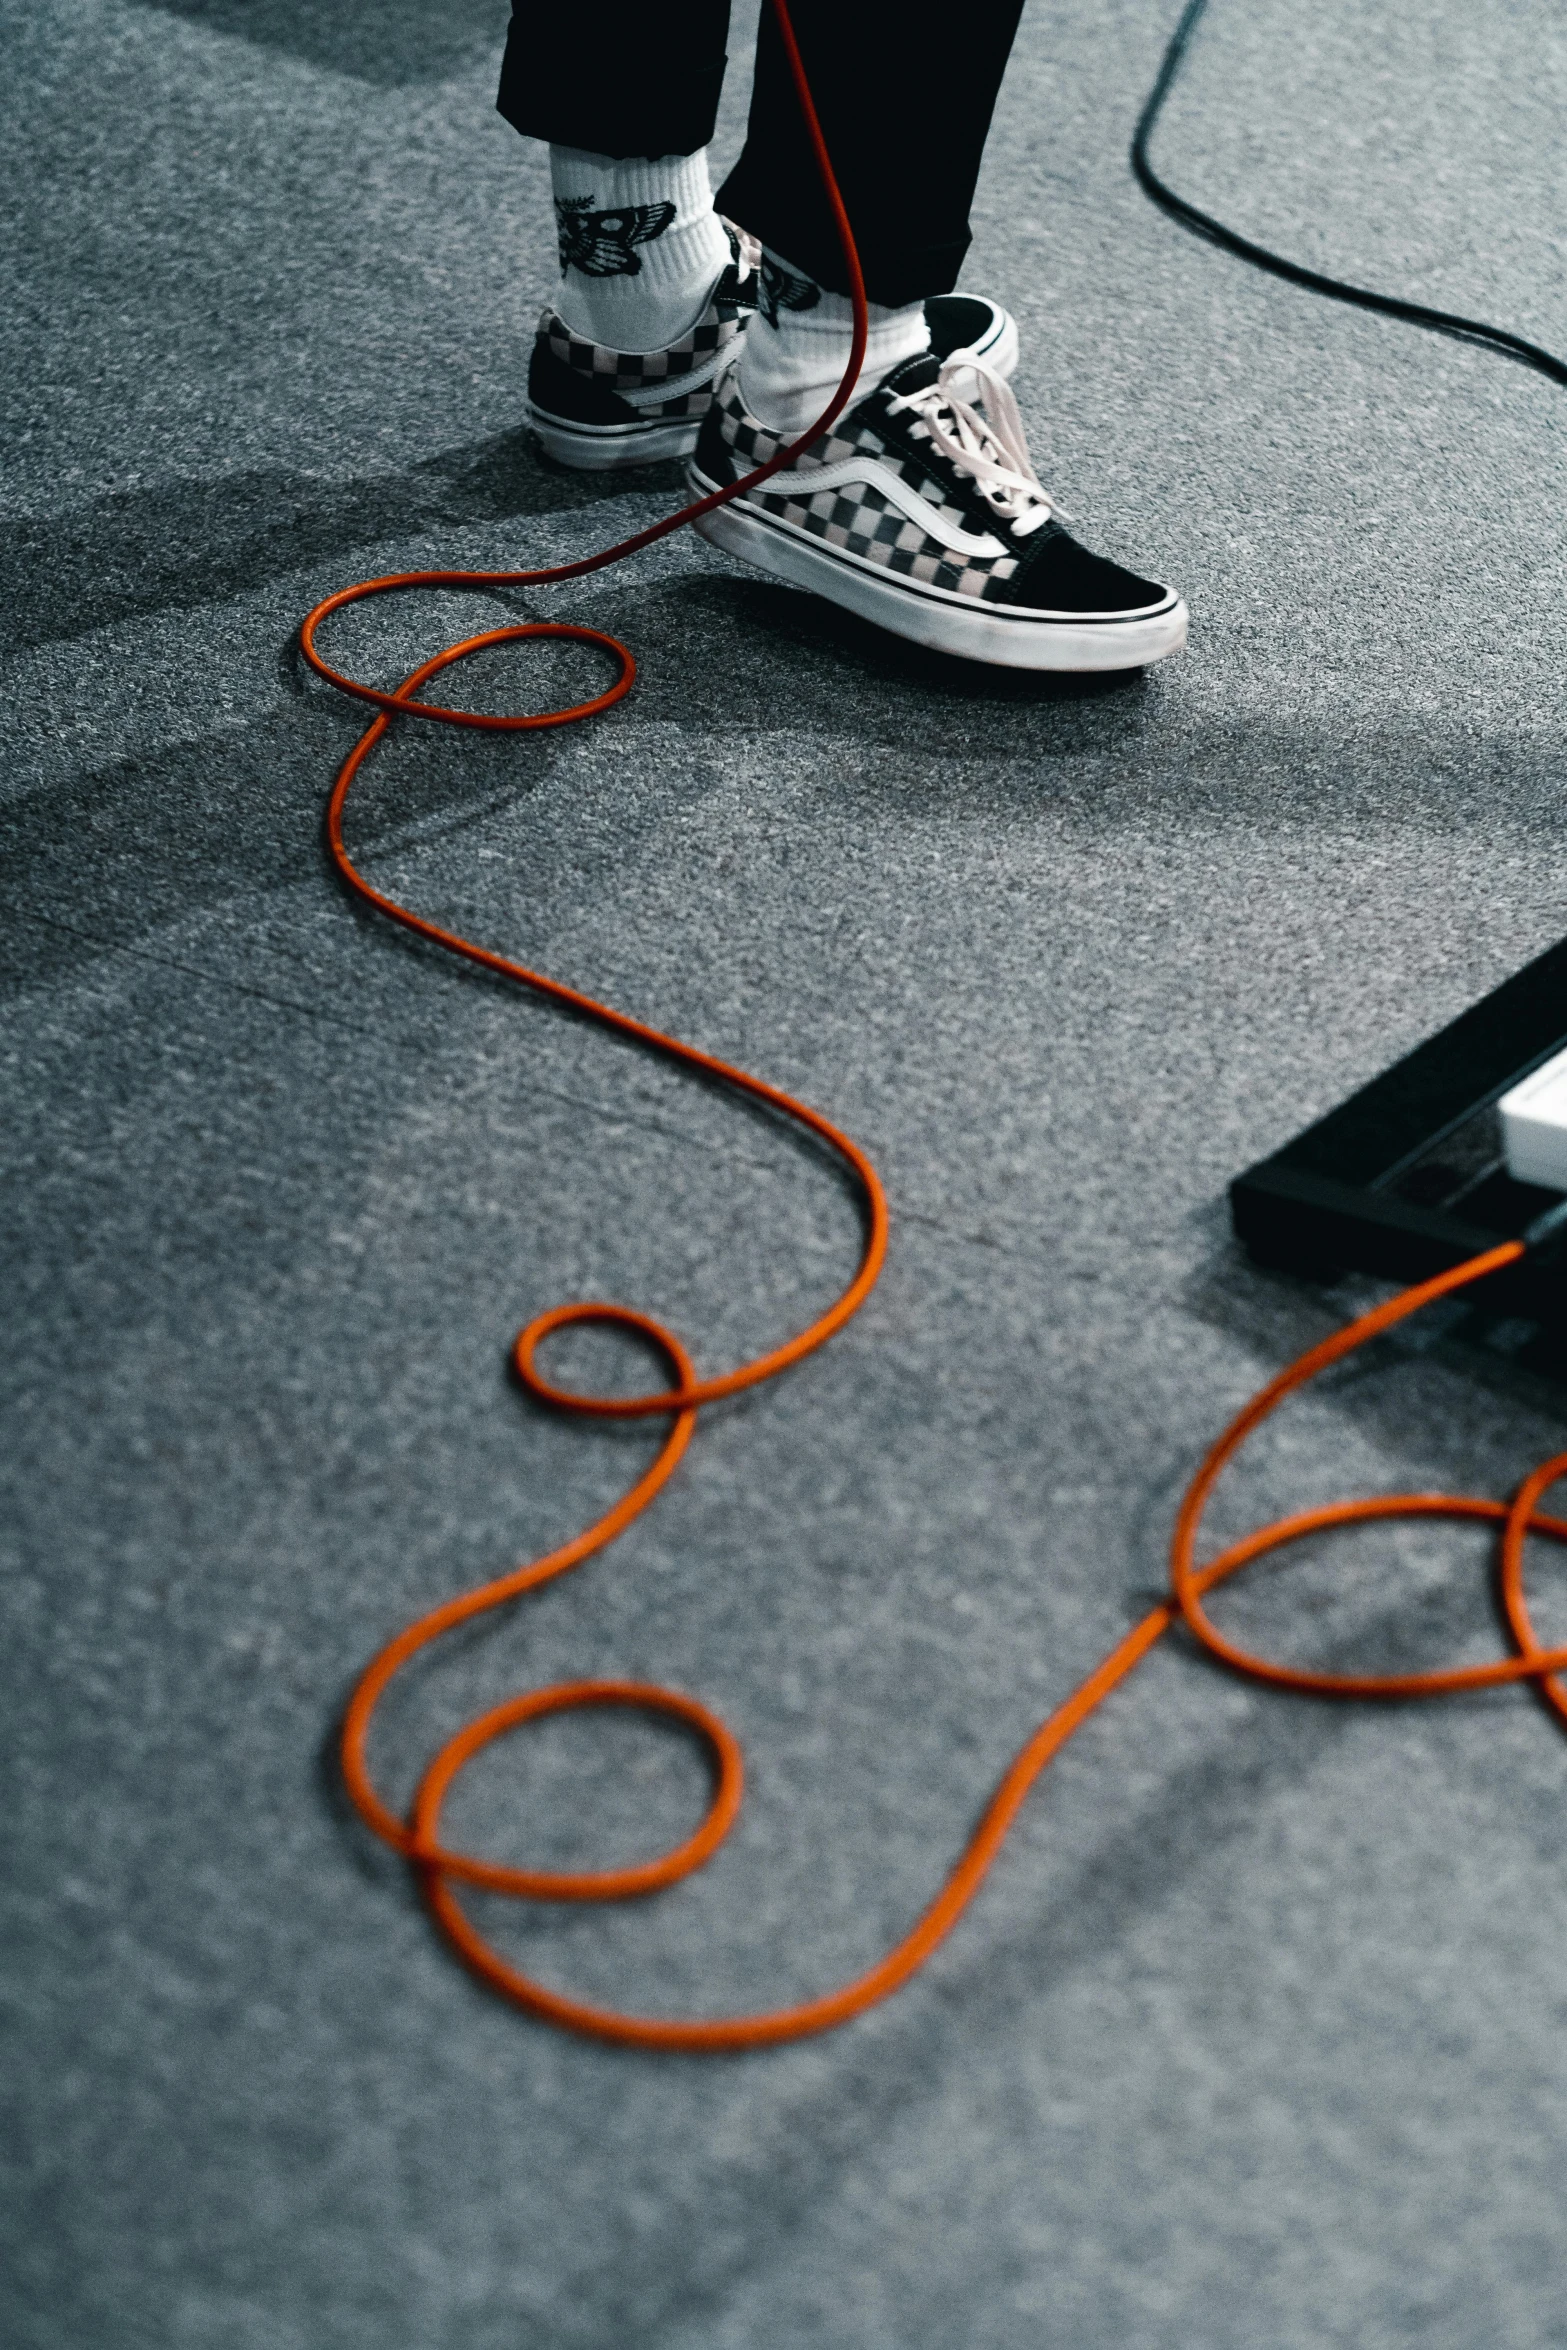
<point>625,77</point>
<point>904,110</point>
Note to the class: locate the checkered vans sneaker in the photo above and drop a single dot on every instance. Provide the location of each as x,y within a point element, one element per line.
<point>920,510</point>
<point>596,409</point>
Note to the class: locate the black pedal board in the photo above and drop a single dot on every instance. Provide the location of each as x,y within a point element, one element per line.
<point>1408,1176</point>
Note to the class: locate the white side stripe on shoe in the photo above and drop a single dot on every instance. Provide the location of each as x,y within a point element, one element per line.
<point>804,480</point>
<point>674,387</point>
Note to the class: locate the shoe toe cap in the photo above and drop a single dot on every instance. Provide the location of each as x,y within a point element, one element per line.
<point>1058,574</point>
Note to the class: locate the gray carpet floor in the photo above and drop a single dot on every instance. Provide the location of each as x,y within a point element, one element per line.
<point>1255,2037</point>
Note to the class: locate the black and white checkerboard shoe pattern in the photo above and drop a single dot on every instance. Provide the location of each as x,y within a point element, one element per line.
<point>921,511</point>
<point>595,409</point>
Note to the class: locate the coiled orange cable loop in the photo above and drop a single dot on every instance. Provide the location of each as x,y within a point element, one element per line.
<point>417,1837</point>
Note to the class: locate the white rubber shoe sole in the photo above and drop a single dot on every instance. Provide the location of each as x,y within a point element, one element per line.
<point>605,448</point>
<point>1008,637</point>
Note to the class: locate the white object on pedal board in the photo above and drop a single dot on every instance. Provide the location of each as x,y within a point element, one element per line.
<point>1534,1126</point>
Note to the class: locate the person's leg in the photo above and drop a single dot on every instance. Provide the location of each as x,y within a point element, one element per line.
<point>905,116</point>
<point>906,136</point>
<point>624,80</point>
<point>641,247</point>
<point>654,288</point>
<point>919,509</point>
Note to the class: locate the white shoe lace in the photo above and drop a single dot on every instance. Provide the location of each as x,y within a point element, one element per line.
<point>983,437</point>
<point>748,254</point>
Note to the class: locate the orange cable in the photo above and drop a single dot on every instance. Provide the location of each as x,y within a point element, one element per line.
<point>418,1836</point>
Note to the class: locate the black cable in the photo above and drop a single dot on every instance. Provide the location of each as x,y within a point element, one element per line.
<point>1445,322</point>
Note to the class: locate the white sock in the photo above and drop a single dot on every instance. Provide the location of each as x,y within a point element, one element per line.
<point>641,247</point>
<point>797,347</point>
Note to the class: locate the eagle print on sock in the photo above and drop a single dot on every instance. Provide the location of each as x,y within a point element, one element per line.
<point>779,289</point>
<point>602,244</point>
